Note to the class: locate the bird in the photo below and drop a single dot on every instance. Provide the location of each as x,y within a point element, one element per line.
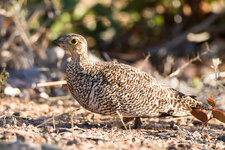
<point>117,89</point>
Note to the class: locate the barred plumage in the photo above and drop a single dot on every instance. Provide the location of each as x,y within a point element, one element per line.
<point>110,87</point>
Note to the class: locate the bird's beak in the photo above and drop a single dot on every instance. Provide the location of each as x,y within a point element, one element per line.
<point>57,42</point>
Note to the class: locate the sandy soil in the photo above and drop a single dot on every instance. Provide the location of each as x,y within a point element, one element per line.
<point>46,124</point>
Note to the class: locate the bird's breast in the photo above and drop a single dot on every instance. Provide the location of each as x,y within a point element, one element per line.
<point>83,86</point>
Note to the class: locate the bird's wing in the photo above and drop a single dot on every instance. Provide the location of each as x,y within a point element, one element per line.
<point>140,93</point>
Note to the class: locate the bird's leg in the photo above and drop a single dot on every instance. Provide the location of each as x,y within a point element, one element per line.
<point>137,123</point>
<point>125,120</point>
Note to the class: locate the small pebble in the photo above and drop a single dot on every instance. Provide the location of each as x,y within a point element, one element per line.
<point>196,134</point>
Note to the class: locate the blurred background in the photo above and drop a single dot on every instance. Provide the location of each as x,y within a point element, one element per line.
<point>158,36</point>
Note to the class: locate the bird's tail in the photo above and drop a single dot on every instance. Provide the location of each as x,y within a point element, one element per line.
<point>188,101</point>
<point>184,104</point>
<point>192,103</point>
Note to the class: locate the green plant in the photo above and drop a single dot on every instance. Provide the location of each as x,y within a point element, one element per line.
<point>215,113</point>
<point>3,76</point>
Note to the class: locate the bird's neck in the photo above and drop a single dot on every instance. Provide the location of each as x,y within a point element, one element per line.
<point>81,61</point>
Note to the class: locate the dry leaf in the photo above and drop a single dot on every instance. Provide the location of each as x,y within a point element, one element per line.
<point>211,102</point>
<point>200,115</point>
<point>219,115</point>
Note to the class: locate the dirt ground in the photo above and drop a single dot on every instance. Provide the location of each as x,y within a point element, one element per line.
<point>46,124</point>
<point>180,42</point>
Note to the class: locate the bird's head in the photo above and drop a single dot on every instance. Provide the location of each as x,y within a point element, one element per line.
<point>74,43</point>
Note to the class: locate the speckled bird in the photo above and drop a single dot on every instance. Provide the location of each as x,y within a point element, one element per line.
<point>112,88</point>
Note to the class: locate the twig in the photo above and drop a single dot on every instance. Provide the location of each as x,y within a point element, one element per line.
<point>59,97</point>
<point>187,63</point>
<point>145,61</point>
<point>51,119</point>
<point>216,63</point>
<point>19,24</point>
<point>72,113</point>
<point>53,122</point>
<point>53,83</point>
<point>46,121</point>
<point>121,119</point>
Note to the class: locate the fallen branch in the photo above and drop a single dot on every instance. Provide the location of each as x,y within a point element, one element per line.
<point>53,83</point>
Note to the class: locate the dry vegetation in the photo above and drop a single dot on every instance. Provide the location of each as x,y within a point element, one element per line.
<point>22,125</point>
<point>44,123</point>
<point>188,56</point>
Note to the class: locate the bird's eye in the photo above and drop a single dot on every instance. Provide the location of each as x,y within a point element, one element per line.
<point>73,41</point>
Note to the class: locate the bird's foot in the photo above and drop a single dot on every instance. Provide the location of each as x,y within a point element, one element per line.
<point>122,123</point>
<point>137,123</point>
